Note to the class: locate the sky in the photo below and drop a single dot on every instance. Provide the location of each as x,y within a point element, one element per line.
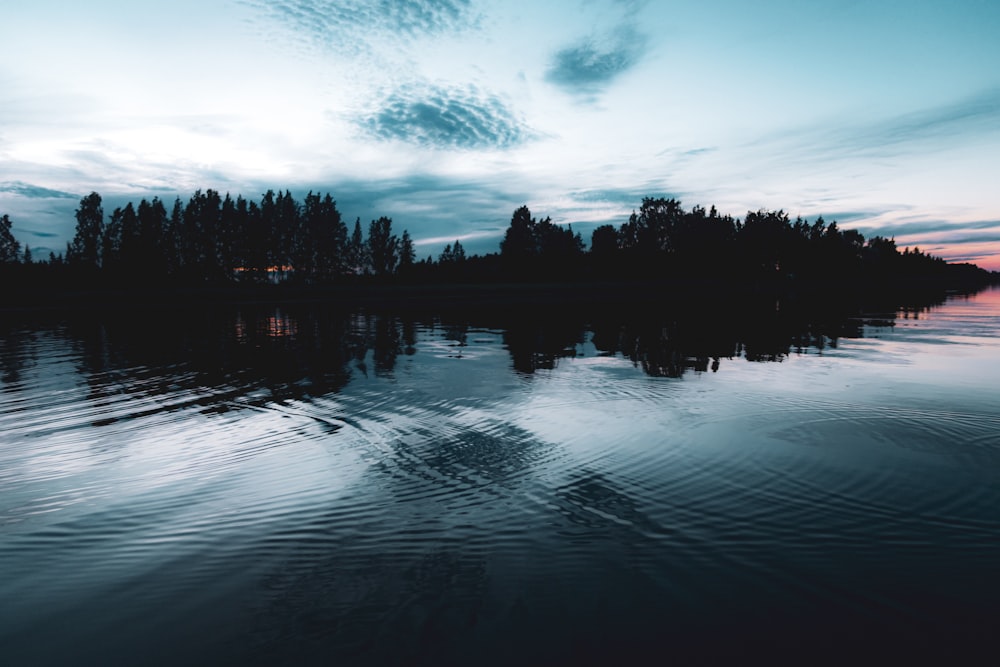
<point>447,115</point>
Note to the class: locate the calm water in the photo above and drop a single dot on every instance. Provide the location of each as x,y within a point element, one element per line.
<point>304,485</point>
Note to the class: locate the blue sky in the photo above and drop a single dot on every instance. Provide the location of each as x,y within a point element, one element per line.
<point>448,114</point>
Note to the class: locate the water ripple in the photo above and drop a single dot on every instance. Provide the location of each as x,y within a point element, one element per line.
<point>260,499</point>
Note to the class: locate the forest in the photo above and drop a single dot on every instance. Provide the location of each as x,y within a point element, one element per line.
<point>218,241</point>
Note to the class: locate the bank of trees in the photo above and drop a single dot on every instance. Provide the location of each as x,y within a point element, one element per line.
<point>766,249</point>
<point>218,239</point>
<point>214,239</point>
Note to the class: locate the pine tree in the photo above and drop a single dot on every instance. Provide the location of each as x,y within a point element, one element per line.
<point>85,249</point>
<point>355,255</point>
<point>407,254</point>
<point>10,249</point>
<point>383,247</point>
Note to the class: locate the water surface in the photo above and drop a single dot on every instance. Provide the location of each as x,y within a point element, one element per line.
<point>300,484</point>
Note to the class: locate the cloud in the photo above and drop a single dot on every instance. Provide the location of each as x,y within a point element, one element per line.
<point>348,25</point>
<point>843,217</point>
<point>631,7</point>
<point>428,17</point>
<point>971,115</point>
<point>593,63</point>
<point>435,209</point>
<point>963,239</point>
<point>445,117</point>
<point>625,198</point>
<point>984,258</point>
<point>957,236</point>
<point>27,190</point>
<point>910,228</point>
<point>939,127</point>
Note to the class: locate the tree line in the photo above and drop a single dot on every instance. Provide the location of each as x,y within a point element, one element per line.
<point>218,239</point>
<point>213,239</point>
<point>764,249</point>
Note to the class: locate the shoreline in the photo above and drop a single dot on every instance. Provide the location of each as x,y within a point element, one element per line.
<point>447,296</point>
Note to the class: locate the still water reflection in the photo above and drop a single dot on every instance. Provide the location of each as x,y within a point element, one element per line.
<point>300,484</point>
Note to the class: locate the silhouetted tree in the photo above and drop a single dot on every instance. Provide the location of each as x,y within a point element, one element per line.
<point>701,242</point>
<point>452,254</point>
<point>519,244</point>
<point>111,238</point>
<point>227,234</point>
<point>330,239</point>
<point>85,248</point>
<point>764,240</point>
<point>252,249</point>
<point>10,249</point>
<point>652,229</point>
<point>383,247</point>
<point>557,245</point>
<point>129,242</point>
<point>172,242</point>
<point>150,252</point>
<point>407,253</point>
<point>200,234</point>
<point>538,248</point>
<point>268,222</point>
<point>604,241</point>
<point>355,260</point>
<point>219,240</point>
<point>322,240</point>
<point>283,233</point>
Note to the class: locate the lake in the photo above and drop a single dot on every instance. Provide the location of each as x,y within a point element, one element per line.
<point>308,484</point>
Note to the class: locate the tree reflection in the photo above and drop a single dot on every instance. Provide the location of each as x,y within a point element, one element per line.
<point>220,359</point>
<point>16,354</point>
<point>669,339</point>
<point>666,346</point>
<point>538,342</point>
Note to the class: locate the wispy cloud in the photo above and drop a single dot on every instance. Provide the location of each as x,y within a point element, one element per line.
<point>461,117</point>
<point>967,116</point>
<point>624,198</point>
<point>352,24</point>
<point>846,218</point>
<point>589,65</point>
<point>914,227</point>
<point>22,189</point>
<point>985,257</point>
<point>937,127</point>
<point>435,209</point>
<point>631,7</point>
<point>418,17</point>
<point>965,239</point>
<point>974,241</point>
